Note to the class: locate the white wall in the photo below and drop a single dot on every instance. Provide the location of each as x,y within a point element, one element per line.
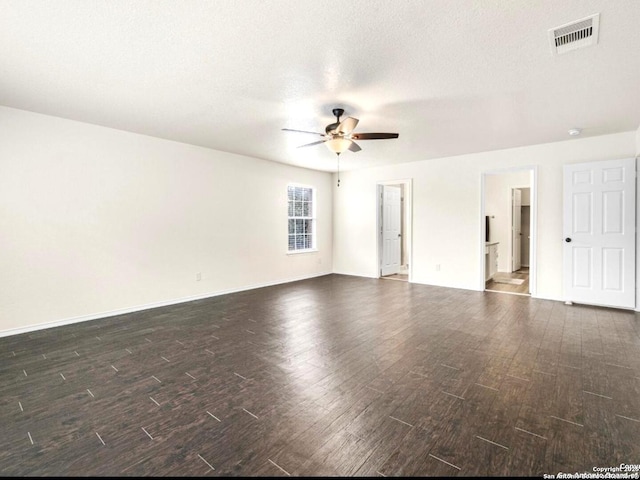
<point>446,210</point>
<point>637,219</point>
<point>498,205</point>
<point>96,220</point>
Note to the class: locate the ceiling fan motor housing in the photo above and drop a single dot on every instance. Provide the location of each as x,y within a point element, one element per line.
<point>331,128</point>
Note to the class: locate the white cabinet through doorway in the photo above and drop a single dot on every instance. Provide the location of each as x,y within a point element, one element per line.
<point>491,260</point>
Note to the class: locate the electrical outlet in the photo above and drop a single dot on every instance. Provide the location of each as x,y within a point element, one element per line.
<point>198,277</point>
<point>437,267</point>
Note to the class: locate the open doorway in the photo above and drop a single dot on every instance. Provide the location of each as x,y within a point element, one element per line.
<point>394,230</point>
<point>508,231</point>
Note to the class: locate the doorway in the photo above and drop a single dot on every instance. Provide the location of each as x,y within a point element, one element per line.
<point>508,231</point>
<point>394,229</point>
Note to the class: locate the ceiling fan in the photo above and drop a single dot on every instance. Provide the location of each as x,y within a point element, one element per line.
<point>339,136</point>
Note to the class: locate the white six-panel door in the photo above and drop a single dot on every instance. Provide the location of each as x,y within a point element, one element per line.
<point>391,230</point>
<point>599,233</point>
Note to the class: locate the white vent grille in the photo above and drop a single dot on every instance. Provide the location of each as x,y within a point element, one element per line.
<point>571,36</point>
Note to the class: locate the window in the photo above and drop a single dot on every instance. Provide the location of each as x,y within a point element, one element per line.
<point>302,221</point>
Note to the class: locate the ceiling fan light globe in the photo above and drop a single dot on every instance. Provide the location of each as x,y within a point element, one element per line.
<point>338,145</point>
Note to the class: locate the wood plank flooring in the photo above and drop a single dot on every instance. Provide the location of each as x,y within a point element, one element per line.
<point>336,375</point>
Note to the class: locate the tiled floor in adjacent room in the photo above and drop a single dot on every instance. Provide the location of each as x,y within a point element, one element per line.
<point>506,282</point>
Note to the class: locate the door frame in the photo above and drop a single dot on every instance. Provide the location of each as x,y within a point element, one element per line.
<point>533,260</point>
<point>511,189</point>
<point>408,221</point>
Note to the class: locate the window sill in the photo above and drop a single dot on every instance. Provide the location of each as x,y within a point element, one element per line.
<point>298,252</point>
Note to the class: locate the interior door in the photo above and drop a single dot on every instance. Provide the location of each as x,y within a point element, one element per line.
<point>526,235</point>
<point>599,233</point>
<point>516,229</point>
<point>391,229</point>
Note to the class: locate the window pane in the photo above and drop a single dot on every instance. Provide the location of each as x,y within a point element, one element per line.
<point>300,226</point>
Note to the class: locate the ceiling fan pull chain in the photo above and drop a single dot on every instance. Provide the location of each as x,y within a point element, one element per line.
<point>338,169</point>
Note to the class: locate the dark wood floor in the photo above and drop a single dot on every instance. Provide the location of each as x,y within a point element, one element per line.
<point>332,376</point>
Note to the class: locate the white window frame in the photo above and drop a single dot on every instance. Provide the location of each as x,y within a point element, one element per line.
<point>314,221</point>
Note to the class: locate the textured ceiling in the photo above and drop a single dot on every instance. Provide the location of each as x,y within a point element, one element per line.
<point>451,76</point>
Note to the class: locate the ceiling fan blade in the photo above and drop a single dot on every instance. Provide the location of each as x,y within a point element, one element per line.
<point>302,131</point>
<point>354,147</point>
<point>373,136</point>
<point>347,125</point>
<point>313,143</point>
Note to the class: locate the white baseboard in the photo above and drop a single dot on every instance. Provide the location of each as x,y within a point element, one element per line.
<point>542,297</point>
<point>355,275</point>
<point>443,285</point>
<point>148,306</point>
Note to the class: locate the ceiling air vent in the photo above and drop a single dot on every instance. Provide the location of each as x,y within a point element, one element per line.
<point>574,35</point>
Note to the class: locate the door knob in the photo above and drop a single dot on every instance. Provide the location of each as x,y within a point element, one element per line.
<point>568,240</point>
